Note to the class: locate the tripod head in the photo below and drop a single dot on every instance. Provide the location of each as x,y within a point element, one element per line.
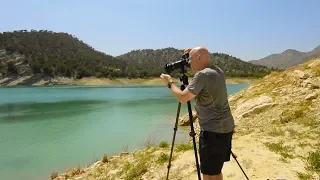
<point>181,64</point>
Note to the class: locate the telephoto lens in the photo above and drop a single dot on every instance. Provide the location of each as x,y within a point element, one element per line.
<point>178,64</point>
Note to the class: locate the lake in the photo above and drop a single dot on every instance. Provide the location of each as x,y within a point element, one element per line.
<point>53,128</point>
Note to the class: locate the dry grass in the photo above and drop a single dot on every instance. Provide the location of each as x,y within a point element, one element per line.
<point>105,158</point>
<point>184,147</point>
<point>280,148</point>
<point>54,175</point>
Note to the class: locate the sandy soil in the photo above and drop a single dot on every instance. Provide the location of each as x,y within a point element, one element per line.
<point>255,159</point>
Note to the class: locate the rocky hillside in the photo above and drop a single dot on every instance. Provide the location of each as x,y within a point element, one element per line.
<point>288,58</point>
<point>277,136</point>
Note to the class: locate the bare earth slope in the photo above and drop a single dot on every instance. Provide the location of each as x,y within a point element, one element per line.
<point>277,136</point>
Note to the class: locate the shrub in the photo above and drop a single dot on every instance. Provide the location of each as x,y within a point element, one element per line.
<point>163,144</point>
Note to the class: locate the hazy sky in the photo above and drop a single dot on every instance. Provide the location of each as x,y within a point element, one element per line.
<point>248,29</point>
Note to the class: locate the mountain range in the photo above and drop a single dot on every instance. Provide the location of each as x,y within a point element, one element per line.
<point>59,54</point>
<point>287,58</point>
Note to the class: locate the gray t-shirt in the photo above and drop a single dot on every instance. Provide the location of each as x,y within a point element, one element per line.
<point>212,104</point>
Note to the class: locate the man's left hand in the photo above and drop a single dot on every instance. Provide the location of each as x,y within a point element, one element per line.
<point>166,78</point>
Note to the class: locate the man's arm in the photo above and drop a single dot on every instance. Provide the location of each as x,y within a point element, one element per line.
<point>182,96</point>
<point>190,91</point>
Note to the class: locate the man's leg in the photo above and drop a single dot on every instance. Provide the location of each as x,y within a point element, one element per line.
<point>213,177</point>
<point>211,158</point>
<point>215,149</point>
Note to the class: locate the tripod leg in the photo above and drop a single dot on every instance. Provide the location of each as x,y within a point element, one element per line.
<point>174,136</point>
<point>235,157</point>
<point>192,134</point>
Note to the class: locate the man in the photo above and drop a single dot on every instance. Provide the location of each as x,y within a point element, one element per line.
<point>208,87</point>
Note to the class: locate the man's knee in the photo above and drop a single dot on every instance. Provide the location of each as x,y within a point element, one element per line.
<point>212,177</point>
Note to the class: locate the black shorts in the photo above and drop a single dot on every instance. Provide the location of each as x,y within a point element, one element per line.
<point>214,150</point>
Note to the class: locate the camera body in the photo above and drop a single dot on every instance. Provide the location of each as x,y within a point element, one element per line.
<point>178,64</point>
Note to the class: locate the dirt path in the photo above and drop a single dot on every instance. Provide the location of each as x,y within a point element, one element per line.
<point>254,158</point>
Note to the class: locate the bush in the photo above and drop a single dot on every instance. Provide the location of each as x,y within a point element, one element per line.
<point>163,144</point>
<point>105,158</point>
<point>163,158</point>
<point>314,162</point>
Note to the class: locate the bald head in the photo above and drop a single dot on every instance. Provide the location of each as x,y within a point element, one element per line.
<point>199,58</point>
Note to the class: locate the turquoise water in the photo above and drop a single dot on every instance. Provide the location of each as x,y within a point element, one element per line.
<point>47,129</point>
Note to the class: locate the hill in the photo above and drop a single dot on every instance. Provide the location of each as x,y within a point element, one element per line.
<point>288,58</point>
<point>156,59</point>
<point>276,137</point>
<point>56,54</point>
<point>47,54</point>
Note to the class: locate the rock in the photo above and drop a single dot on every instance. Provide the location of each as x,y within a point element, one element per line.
<point>257,109</point>
<point>311,83</point>
<point>311,96</point>
<point>301,74</point>
<point>184,120</point>
<point>124,153</point>
<point>315,84</point>
<point>96,164</point>
<point>246,106</point>
<point>315,63</point>
<point>287,133</point>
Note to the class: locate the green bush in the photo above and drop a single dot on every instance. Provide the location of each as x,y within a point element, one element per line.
<point>184,147</point>
<point>313,161</point>
<point>163,144</point>
<point>163,158</point>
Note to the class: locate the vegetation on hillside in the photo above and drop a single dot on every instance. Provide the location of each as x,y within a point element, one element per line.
<point>156,60</point>
<point>283,110</point>
<point>61,54</point>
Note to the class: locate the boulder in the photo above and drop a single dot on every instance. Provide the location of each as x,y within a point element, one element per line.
<point>256,110</point>
<point>301,74</point>
<point>253,106</point>
<point>251,103</point>
<point>184,120</point>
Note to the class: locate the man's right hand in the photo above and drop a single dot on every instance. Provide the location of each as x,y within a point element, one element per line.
<point>187,50</point>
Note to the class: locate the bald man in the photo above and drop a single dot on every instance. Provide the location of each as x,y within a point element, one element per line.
<point>208,87</point>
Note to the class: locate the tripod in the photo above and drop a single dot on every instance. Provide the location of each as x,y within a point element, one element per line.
<point>184,80</point>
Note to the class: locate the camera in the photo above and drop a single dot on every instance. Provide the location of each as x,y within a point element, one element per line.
<point>178,64</point>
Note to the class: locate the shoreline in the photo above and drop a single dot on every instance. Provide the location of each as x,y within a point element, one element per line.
<point>37,80</point>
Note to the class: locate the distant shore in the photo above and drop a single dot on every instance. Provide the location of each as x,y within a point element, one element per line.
<point>41,80</point>
<point>156,81</point>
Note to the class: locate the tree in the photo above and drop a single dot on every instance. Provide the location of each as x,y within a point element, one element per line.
<point>12,67</point>
<point>36,68</point>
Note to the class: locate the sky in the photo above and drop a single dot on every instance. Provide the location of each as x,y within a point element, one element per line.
<point>247,29</point>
